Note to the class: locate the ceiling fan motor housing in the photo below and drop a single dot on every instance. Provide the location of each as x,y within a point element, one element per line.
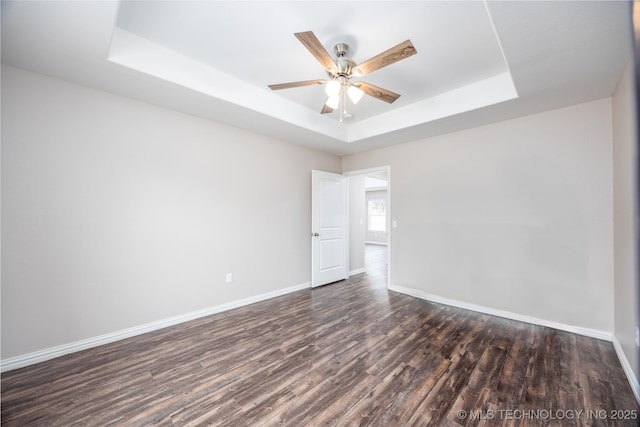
<point>345,64</point>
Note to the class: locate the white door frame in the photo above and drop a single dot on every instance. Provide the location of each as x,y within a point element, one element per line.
<point>386,169</point>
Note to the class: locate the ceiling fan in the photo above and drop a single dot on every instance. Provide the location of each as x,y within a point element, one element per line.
<point>343,69</point>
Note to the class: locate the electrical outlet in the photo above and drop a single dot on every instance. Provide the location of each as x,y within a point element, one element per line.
<point>229,277</point>
<point>637,337</point>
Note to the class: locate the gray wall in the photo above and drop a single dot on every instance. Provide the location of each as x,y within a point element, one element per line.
<point>117,213</point>
<point>513,216</point>
<point>625,161</point>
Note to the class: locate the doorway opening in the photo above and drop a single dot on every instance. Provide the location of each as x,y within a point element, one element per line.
<point>369,224</point>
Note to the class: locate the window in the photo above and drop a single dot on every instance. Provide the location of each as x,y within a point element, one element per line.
<point>376,209</point>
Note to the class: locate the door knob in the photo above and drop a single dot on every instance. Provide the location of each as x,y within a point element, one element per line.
<point>315,234</point>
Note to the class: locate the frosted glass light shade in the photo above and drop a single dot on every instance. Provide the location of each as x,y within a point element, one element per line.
<point>355,94</point>
<point>332,88</point>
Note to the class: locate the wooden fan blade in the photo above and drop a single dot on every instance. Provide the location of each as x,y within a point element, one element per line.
<point>313,45</point>
<point>377,92</point>
<point>388,57</point>
<point>296,84</point>
<point>326,109</point>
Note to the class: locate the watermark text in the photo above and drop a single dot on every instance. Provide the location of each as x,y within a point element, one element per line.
<point>548,414</point>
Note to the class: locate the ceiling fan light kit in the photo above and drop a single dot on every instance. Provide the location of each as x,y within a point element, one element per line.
<point>337,91</point>
<point>342,69</point>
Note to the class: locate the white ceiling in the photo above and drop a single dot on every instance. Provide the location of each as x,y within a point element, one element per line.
<point>477,62</point>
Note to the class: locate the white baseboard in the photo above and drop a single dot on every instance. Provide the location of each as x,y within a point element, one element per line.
<point>357,271</point>
<point>53,352</point>
<point>593,333</point>
<point>628,370</point>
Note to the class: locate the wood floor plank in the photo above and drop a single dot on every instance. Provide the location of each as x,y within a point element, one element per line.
<point>348,354</point>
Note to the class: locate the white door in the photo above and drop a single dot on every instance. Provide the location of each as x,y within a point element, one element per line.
<point>329,246</point>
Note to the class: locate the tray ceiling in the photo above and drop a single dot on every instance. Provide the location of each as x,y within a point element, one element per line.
<point>477,62</point>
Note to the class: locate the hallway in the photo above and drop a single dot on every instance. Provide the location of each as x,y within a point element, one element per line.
<point>375,264</point>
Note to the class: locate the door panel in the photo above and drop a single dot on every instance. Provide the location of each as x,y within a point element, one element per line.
<point>330,254</point>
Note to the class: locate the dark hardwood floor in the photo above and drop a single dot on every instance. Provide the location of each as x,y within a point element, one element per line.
<point>350,354</point>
